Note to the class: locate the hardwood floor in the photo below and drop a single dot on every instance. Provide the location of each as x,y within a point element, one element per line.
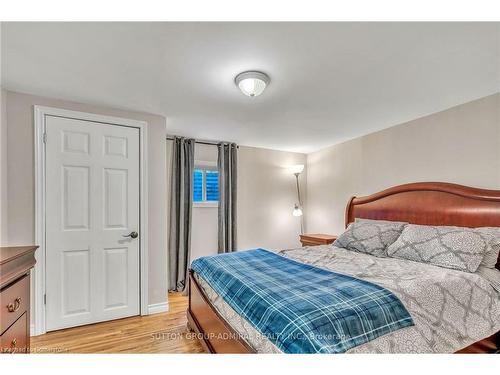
<point>159,333</point>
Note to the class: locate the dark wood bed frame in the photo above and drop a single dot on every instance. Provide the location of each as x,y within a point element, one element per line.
<point>429,203</point>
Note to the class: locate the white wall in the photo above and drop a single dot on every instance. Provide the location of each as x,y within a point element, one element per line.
<point>459,145</point>
<point>204,229</point>
<point>4,199</point>
<point>266,196</point>
<point>20,179</point>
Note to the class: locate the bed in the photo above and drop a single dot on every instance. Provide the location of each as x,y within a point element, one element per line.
<point>221,330</point>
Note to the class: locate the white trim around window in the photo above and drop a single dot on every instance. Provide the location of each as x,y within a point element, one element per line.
<point>206,204</point>
<point>204,164</point>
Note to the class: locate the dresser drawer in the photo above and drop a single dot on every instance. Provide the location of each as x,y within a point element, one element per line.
<point>15,339</point>
<point>14,302</point>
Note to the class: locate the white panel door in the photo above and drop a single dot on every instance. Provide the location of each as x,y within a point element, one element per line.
<point>92,190</point>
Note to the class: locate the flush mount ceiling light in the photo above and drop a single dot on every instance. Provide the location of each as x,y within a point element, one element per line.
<point>252,83</point>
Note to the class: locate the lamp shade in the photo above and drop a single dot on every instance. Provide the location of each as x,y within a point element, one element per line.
<point>297,211</point>
<point>296,169</point>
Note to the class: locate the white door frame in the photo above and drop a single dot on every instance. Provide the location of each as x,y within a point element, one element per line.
<point>40,113</point>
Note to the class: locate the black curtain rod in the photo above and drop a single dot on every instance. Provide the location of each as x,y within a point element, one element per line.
<point>210,143</point>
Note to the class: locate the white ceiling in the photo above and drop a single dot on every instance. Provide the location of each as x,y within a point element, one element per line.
<point>329,81</point>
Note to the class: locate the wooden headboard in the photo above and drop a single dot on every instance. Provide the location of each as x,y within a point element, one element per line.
<point>430,203</point>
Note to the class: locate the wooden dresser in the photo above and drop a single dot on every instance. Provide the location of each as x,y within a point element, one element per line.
<point>15,265</point>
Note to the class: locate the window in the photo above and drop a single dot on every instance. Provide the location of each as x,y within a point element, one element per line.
<point>205,185</point>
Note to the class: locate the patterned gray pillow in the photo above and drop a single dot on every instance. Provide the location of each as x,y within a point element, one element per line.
<point>493,235</point>
<point>370,236</point>
<point>450,247</point>
<point>491,275</point>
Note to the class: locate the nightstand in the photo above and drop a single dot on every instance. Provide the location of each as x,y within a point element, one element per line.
<point>316,239</point>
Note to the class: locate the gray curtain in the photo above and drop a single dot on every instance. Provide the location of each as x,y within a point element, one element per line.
<point>227,165</point>
<point>181,202</point>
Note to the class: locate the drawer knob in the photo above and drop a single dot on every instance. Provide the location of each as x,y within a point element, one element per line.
<point>13,343</point>
<point>12,307</point>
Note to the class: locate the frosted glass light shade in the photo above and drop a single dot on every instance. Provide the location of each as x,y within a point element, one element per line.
<point>297,211</point>
<point>294,169</point>
<point>252,83</point>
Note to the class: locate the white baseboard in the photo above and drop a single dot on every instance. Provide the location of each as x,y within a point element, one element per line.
<point>156,308</point>
<point>33,330</point>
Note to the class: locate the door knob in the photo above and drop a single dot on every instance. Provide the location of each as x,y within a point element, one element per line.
<point>132,235</point>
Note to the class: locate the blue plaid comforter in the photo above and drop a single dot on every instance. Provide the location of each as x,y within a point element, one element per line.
<point>301,308</point>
